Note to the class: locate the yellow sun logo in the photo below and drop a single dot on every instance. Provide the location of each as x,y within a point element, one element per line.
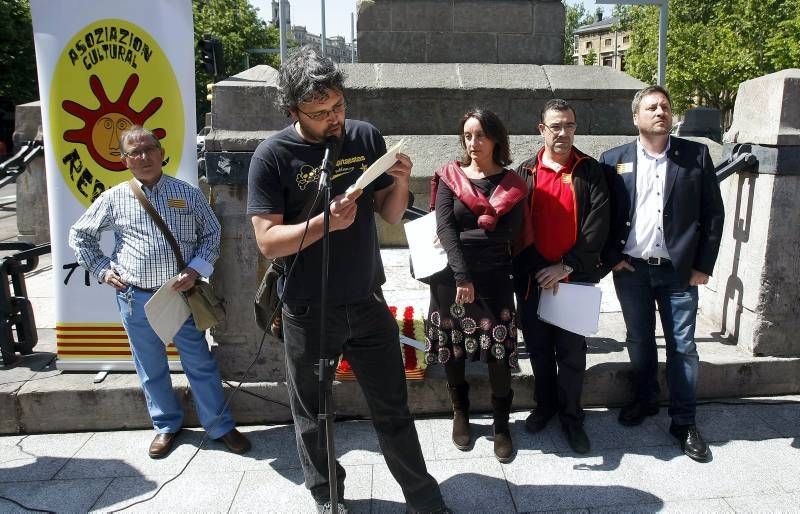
<point>104,125</point>
<point>108,59</point>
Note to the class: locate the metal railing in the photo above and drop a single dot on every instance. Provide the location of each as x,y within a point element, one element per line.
<point>14,166</point>
<point>17,324</point>
<point>740,160</point>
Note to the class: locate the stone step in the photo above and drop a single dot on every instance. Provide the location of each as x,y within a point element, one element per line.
<point>37,397</point>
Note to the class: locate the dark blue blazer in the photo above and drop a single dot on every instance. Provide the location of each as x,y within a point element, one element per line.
<point>693,211</point>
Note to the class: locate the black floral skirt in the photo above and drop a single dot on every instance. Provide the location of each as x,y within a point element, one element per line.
<point>485,330</point>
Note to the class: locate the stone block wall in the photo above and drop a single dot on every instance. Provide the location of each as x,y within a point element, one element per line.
<point>474,31</point>
<point>756,294</point>
<point>33,222</point>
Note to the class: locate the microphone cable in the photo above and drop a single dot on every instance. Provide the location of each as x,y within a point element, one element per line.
<point>244,375</point>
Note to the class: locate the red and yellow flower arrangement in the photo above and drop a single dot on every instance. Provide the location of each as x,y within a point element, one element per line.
<point>413,358</point>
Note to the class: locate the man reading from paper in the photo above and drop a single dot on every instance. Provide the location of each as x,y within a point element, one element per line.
<point>140,263</point>
<point>564,232</point>
<point>283,181</point>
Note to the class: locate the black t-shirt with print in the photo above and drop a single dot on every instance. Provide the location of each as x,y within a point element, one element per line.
<point>283,178</point>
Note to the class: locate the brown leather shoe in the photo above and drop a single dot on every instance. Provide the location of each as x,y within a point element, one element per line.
<point>236,442</point>
<point>162,445</point>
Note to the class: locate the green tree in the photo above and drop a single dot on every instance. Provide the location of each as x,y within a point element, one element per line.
<point>236,24</point>
<point>17,55</point>
<point>576,15</point>
<point>590,59</point>
<point>714,45</point>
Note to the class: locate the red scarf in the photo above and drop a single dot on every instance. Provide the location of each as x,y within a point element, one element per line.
<point>505,196</point>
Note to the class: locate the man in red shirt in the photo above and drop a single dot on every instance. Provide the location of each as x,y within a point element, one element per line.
<point>565,228</point>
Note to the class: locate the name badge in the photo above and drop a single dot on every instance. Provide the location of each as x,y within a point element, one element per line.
<point>566,178</point>
<point>624,167</point>
<point>176,203</point>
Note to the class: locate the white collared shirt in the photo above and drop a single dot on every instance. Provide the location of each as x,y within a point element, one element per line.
<point>646,238</point>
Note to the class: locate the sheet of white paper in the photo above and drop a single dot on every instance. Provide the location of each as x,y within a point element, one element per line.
<point>167,311</point>
<point>412,342</point>
<point>575,308</point>
<point>379,166</point>
<point>427,254</point>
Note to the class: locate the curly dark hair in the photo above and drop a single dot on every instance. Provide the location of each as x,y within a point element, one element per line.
<point>306,76</point>
<point>494,130</point>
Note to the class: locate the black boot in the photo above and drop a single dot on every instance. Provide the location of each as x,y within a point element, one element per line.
<point>501,408</point>
<point>459,395</point>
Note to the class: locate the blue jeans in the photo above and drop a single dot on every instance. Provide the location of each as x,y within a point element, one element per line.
<point>150,359</point>
<point>368,336</point>
<point>639,292</point>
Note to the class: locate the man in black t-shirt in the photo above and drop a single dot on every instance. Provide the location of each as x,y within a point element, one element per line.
<point>283,181</point>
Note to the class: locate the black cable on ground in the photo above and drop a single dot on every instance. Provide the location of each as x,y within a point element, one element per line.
<point>244,375</point>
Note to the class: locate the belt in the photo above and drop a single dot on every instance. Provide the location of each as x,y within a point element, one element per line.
<point>654,261</point>
<point>145,289</point>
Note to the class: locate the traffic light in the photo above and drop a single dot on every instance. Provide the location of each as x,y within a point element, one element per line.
<point>211,55</point>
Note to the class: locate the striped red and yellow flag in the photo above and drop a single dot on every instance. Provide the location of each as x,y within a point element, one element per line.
<point>100,341</point>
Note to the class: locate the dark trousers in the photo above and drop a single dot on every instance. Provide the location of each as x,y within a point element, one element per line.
<point>558,358</point>
<point>368,336</point>
<point>639,292</point>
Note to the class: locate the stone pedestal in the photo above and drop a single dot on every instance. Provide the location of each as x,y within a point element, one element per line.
<point>481,31</point>
<point>755,288</point>
<point>422,102</point>
<point>33,222</point>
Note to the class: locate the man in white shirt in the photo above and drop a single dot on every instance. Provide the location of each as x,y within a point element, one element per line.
<point>140,263</point>
<point>666,226</point>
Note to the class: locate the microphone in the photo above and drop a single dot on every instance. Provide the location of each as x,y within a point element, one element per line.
<point>328,159</point>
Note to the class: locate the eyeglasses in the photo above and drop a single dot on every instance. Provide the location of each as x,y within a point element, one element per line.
<point>569,128</point>
<point>139,152</point>
<point>321,115</point>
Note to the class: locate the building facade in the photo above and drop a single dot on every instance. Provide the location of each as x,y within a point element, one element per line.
<point>335,47</point>
<point>599,44</point>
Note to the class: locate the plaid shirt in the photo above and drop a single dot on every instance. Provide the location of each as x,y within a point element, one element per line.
<point>142,256</point>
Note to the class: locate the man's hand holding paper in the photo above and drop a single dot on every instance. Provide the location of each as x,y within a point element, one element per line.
<point>167,310</point>
<point>394,162</point>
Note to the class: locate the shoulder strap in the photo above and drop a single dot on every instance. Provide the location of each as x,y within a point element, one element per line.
<point>139,194</point>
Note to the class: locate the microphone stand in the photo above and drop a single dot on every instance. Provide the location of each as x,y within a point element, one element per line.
<point>325,367</point>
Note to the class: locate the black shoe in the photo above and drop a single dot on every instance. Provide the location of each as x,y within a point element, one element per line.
<point>538,419</point>
<point>634,413</point>
<point>691,441</point>
<point>577,438</point>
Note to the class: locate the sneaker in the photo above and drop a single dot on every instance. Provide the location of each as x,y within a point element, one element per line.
<point>327,507</point>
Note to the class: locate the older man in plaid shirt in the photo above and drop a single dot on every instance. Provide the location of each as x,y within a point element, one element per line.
<point>140,263</point>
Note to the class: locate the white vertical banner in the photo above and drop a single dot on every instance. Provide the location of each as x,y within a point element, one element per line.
<point>103,66</point>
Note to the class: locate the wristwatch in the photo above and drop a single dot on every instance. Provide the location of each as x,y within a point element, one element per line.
<point>566,268</point>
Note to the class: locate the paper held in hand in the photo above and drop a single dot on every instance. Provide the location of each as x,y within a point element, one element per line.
<point>427,254</point>
<point>576,307</point>
<point>379,166</point>
<point>167,311</point>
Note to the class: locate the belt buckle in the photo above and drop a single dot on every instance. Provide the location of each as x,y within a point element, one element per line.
<point>654,261</point>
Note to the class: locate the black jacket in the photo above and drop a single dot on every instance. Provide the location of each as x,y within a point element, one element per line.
<point>693,210</point>
<point>593,213</point>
